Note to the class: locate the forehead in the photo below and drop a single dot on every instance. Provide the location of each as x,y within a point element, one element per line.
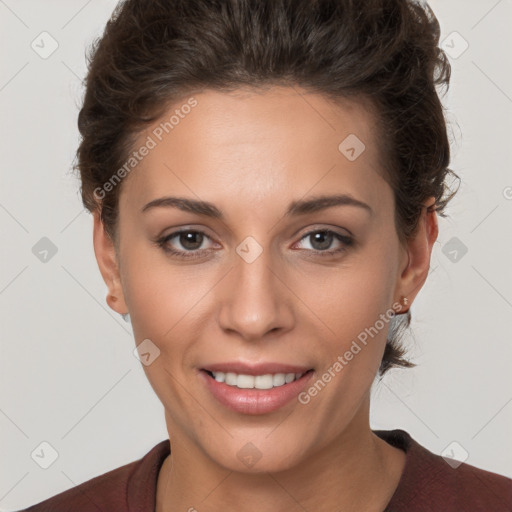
<point>258,144</point>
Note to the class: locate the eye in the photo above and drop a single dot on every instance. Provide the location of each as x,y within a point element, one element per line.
<point>190,240</point>
<point>322,239</point>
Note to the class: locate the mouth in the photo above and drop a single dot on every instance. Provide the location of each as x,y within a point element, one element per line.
<point>255,393</point>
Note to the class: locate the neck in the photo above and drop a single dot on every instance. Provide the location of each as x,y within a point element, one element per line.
<point>357,471</point>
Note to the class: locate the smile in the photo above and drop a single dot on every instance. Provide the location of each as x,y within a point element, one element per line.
<point>266,381</point>
<point>254,394</point>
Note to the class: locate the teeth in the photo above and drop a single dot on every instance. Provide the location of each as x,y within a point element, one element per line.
<point>267,381</point>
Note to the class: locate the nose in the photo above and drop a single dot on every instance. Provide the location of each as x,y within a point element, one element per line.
<point>255,300</point>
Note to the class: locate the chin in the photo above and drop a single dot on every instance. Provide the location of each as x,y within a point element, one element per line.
<point>253,457</point>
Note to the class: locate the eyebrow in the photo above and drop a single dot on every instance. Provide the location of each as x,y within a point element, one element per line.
<point>300,207</point>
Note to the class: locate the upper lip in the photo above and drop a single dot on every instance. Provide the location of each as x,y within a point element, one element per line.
<point>255,369</point>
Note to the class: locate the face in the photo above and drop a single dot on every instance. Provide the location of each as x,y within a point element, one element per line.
<point>256,278</point>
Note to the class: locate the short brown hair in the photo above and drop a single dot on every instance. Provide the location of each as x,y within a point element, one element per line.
<point>386,51</point>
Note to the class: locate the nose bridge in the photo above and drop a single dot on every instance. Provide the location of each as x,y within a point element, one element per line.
<point>254,302</point>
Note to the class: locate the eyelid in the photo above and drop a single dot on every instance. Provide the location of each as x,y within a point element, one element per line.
<point>324,227</point>
<point>186,229</point>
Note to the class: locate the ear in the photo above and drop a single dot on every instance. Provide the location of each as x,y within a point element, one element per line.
<point>418,253</point>
<point>106,257</point>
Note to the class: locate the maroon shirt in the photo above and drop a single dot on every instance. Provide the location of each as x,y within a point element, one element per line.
<point>428,484</point>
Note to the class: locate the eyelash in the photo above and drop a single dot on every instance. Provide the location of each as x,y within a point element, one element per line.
<point>198,253</point>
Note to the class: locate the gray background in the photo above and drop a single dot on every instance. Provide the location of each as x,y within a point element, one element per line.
<point>68,373</point>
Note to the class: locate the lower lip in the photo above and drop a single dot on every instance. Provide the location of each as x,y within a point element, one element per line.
<point>255,401</point>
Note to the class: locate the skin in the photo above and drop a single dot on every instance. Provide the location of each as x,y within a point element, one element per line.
<point>251,153</point>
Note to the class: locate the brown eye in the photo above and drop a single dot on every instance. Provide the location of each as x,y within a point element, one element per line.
<point>322,240</point>
<point>190,240</point>
<point>187,243</point>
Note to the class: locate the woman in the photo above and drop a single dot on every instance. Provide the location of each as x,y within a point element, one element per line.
<point>265,179</point>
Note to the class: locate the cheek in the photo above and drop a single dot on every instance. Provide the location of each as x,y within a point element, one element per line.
<point>167,301</point>
<point>152,291</point>
<point>351,299</point>
<point>165,307</point>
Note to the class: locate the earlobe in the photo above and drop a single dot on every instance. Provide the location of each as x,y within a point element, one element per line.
<point>108,265</point>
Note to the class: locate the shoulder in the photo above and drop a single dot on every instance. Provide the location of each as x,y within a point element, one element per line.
<point>430,483</point>
<point>121,489</point>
